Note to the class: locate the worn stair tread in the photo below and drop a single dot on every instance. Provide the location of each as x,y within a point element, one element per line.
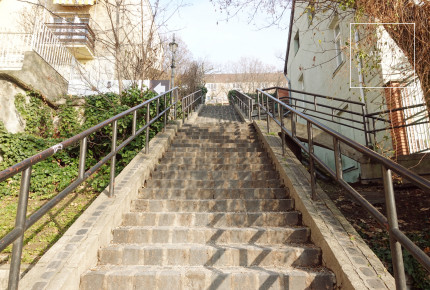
<point>212,193</point>
<point>207,235</point>
<point>213,219</point>
<point>218,174</point>
<point>210,254</point>
<point>212,205</point>
<point>204,277</point>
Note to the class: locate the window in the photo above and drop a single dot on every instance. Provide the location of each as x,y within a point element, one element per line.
<point>337,45</point>
<point>296,42</point>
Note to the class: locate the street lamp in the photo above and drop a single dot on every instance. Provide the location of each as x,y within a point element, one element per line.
<point>173,47</point>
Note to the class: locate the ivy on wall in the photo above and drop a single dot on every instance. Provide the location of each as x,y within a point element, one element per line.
<point>41,132</point>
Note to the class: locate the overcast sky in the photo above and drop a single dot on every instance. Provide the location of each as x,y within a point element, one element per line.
<point>209,37</point>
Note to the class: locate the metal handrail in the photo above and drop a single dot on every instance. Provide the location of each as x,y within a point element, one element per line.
<point>397,237</point>
<point>361,125</point>
<point>16,235</point>
<point>244,102</point>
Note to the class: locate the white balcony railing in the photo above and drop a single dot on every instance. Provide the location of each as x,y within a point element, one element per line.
<point>14,45</point>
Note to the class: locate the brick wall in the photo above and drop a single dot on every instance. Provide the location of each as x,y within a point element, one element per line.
<point>398,135</point>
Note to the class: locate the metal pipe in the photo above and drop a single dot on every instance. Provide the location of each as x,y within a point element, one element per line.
<point>113,160</point>
<point>133,128</point>
<point>396,248</point>
<point>82,157</point>
<point>281,110</point>
<point>21,213</point>
<point>311,159</point>
<point>147,129</point>
<point>337,158</point>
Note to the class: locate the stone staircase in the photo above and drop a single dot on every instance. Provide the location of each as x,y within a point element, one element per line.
<point>213,216</point>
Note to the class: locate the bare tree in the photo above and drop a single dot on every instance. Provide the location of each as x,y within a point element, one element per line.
<point>414,41</point>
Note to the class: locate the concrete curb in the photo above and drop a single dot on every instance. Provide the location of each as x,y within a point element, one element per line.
<point>76,251</point>
<point>343,250</point>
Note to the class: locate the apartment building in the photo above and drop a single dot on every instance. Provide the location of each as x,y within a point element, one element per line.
<point>75,46</point>
<point>219,85</point>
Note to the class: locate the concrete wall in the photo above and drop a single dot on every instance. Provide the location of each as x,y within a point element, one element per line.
<point>8,112</point>
<point>35,74</point>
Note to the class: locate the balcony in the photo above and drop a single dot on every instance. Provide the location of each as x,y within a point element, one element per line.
<point>77,37</point>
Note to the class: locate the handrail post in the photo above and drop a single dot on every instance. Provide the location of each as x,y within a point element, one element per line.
<point>147,130</point>
<point>113,160</point>
<point>165,112</point>
<point>249,109</point>
<point>281,110</point>
<point>82,157</point>
<point>395,247</point>
<point>175,92</point>
<point>258,105</point>
<point>267,114</point>
<point>337,158</point>
<point>366,138</point>
<point>293,124</point>
<point>133,129</point>
<point>311,159</point>
<point>21,213</point>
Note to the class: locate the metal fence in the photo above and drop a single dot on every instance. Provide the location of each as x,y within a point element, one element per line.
<point>16,235</point>
<point>398,239</point>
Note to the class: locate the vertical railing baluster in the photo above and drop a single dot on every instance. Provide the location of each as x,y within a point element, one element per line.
<point>165,112</point>
<point>133,126</point>
<point>311,159</point>
<point>113,160</point>
<point>82,157</point>
<point>281,110</point>
<point>158,107</point>
<point>147,129</point>
<point>337,159</point>
<point>249,109</point>
<point>258,105</point>
<point>366,138</point>
<point>20,219</point>
<point>267,115</point>
<point>396,248</point>
<point>293,124</point>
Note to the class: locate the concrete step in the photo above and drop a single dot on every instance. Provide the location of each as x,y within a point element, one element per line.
<point>216,135</point>
<point>205,235</point>
<point>212,205</point>
<point>214,154</point>
<point>216,141</point>
<point>216,160</point>
<point>217,150</point>
<point>216,175</point>
<point>208,145</point>
<point>215,167</point>
<point>221,219</point>
<point>218,138</point>
<point>212,193</point>
<point>216,129</point>
<point>200,277</point>
<point>210,255</point>
<point>231,183</point>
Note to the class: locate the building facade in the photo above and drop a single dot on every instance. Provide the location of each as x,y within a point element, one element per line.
<point>219,85</point>
<point>365,77</point>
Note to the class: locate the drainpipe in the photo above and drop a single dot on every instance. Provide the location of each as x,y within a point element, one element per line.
<point>361,82</point>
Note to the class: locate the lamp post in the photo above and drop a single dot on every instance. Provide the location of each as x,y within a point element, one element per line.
<point>173,47</point>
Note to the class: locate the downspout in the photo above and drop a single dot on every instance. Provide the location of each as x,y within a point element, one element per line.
<point>290,31</point>
<point>361,82</point>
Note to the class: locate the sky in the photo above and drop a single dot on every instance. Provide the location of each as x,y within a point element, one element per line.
<point>209,37</point>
